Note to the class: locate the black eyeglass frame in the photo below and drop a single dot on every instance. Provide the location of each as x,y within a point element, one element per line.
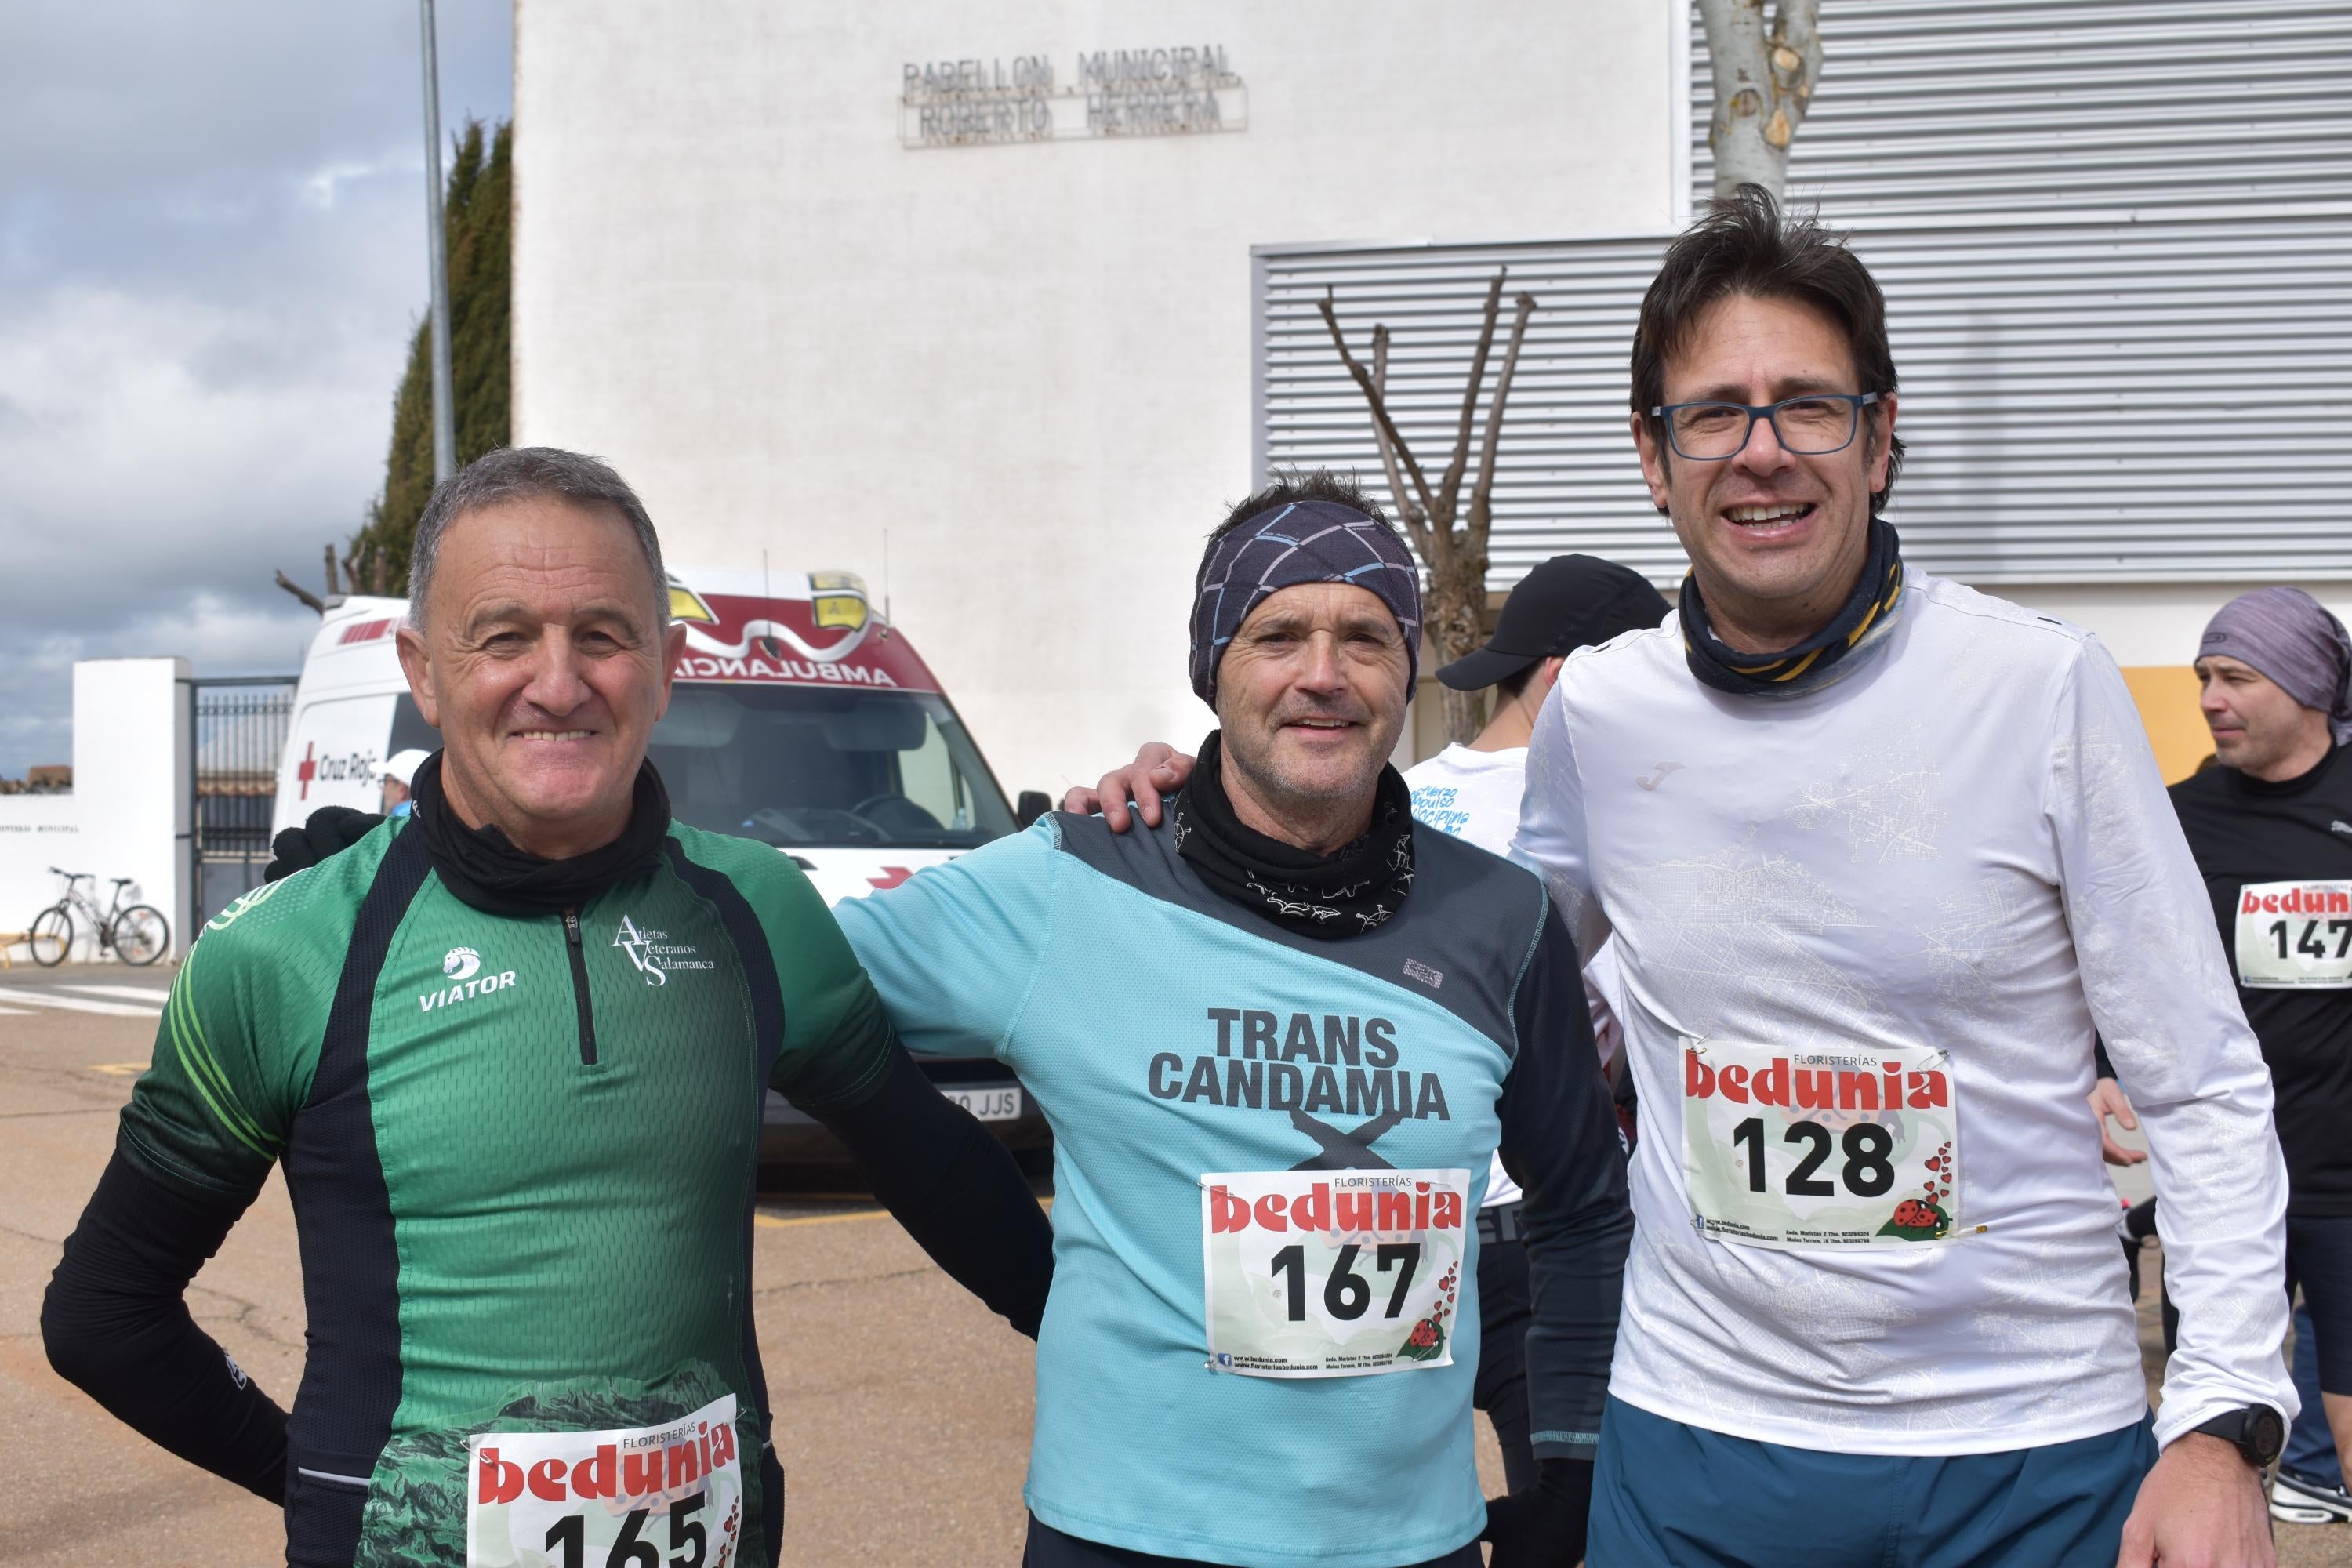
<point>1766,412</point>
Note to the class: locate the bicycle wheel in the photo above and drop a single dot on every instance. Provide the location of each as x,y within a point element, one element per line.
<point>141,935</point>
<point>52,936</point>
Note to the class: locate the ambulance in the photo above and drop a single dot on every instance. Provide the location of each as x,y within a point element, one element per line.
<point>799,717</point>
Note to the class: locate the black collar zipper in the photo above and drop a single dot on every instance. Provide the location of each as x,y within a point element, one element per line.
<point>579,988</point>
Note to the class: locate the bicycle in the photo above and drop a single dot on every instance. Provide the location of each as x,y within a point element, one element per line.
<point>137,935</point>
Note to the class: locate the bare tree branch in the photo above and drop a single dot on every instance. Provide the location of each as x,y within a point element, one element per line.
<point>302,593</point>
<point>1764,79</point>
<point>1449,488</point>
<point>1416,522</point>
<point>1388,429</point>
<point>1483,490</point>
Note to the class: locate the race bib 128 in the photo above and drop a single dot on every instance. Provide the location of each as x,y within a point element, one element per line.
<point>651,1496</point>
<point>1332,1273</point>
<point>1856,1146</point>
<point>2295,934</point>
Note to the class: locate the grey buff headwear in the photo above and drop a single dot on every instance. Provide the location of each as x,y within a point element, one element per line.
<point>2292,638</point>
<point>1305,541</point>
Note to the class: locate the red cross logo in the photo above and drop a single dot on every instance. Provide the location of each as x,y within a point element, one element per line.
<point>891,877</point>
<point>309,770</point>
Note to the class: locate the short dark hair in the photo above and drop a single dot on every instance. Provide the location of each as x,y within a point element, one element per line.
<point>520,473</point>
<point>1511,685</point>
<point>1289,489</point>
<point>1746,246</point>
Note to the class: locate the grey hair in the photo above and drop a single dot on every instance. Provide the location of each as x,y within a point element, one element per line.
<point>524,473</point>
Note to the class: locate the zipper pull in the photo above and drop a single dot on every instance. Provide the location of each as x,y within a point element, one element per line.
<point>571,927</point>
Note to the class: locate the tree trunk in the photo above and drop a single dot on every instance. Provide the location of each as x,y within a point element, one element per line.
<point>1764,78</point>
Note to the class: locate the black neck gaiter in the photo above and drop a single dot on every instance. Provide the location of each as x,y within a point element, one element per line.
<point>1342,894</point>
<point>485,870</point>
<point>1809,664</point>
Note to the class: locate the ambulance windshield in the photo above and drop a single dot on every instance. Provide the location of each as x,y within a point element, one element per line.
<point>799,765</point>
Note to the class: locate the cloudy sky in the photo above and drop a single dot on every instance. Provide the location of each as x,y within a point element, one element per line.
<point>212,254</point>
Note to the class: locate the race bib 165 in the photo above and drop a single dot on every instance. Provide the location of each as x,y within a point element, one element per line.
<point>651,1496</point>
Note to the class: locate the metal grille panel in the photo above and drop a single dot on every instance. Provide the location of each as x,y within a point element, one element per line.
<point>2097,401</point>
<point>1999,106</point>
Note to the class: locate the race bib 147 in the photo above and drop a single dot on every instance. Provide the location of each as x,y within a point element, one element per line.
<point>1849,1147</point>
<point>2295,934</point>
<point>651,1496</point>
<point>1332,1273</point>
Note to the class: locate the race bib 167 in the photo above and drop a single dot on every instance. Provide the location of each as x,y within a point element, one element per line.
<point>2295,934</point>
<point>1854,1146</point>
<point>1332,1273</point>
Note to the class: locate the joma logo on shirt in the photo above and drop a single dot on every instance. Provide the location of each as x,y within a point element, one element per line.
<point>1349,1067</point>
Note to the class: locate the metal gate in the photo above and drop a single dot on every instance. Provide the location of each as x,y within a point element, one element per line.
<point>237,732</point>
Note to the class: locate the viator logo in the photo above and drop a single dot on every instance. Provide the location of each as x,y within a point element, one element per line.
<point>462,963</point>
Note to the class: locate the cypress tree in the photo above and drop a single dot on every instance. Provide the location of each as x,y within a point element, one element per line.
<point>477,217</point>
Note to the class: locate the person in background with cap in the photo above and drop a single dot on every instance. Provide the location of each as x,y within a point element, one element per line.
<point>1280,1039</point>
<point>399,776</point>
<point>2271,829</point>
<point>1473,792</point>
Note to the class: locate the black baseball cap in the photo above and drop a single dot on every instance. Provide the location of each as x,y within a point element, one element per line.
<point>1567,603</point>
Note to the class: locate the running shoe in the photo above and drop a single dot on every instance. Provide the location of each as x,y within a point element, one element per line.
<point>2298,1499</point>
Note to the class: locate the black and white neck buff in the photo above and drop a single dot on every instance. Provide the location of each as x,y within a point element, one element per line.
<point>1815,662</point>
<point>1357,888</point>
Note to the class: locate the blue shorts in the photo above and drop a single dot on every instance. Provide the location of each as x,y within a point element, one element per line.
<point>1666,1495</point>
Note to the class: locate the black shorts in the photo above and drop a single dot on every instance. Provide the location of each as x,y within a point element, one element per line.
<point>2319,1258</point>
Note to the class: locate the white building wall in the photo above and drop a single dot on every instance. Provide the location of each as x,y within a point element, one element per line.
<point>1029,364</point>
<point>128,814</point>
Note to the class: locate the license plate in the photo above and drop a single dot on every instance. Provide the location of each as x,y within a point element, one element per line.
<point>987,1104</point>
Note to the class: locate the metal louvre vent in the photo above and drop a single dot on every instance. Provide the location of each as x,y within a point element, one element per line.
<point>1997,106</point>
<point>2103,400</point>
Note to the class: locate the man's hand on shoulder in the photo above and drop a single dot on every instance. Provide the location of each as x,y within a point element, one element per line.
<point>330,831</point>
<point>2200,1506</point>
<point>1158,769</point>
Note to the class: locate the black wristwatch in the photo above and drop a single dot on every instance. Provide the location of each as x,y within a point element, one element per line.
<point>2258,1431</point>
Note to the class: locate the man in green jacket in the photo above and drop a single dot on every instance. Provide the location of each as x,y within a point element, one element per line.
<point>511,1052</point>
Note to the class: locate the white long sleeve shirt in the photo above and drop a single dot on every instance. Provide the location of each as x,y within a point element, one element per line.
<point>1957,860</point>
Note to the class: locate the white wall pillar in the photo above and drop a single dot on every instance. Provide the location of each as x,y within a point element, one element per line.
<point>131,762</point>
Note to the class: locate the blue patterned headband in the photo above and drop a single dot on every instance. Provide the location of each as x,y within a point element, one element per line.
<point>1305,541</point>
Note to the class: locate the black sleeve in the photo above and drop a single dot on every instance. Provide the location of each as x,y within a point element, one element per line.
<point>1561,1143</point>
<point>956,1189</point>
<point>2099,1056</point>
<point>115,1323</point>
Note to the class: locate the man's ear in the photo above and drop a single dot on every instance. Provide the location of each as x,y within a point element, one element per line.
<point>673,648</point>
<point>1882,443</point>
<point>1549,674</point>
<point>1653,458</point>
<point>415,665</point>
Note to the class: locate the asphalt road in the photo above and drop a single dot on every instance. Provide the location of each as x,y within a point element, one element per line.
<point>902,1406</point>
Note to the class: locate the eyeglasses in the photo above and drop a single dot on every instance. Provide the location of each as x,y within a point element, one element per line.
<point>1813,426</point>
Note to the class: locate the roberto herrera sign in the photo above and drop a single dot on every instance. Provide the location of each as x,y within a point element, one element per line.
<point>1112,92</point>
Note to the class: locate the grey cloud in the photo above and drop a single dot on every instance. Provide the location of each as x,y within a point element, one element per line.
<point>210,260</point>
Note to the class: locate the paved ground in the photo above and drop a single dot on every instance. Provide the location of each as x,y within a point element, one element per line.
<point>904,1408</point>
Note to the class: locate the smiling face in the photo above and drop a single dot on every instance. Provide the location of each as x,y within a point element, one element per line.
<point>1775,537</point>
<point>1311,698</point>
<point>544,664</point>
<point>2257,728</point>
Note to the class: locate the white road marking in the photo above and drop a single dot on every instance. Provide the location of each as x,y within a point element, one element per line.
<point>150,993</point>
<point>14,1013</point>
<point>79,1003</point>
